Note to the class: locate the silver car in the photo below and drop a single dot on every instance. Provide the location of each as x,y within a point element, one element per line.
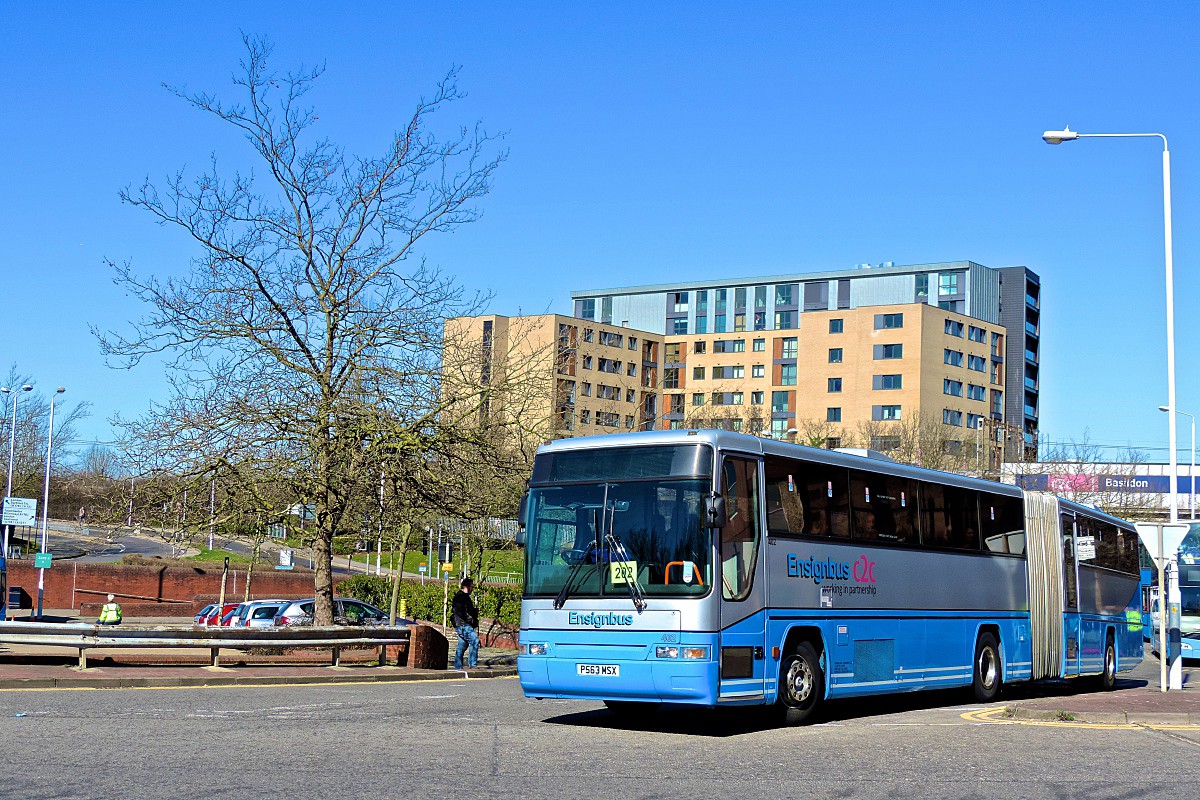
<point>345,612</point>
<point>237,618</point>
<point>261,613</point>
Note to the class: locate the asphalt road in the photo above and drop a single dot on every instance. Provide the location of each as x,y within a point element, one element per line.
<point>483,739</point>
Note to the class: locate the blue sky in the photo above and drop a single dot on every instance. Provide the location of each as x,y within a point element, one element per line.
<point>652,143</point>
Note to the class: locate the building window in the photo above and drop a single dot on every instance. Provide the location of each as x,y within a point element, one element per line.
<point>816,296</point>
<point>779,428</point>
<point>587,362</point>
<point>974,420</point>
<point>887,351</point>
<point>953,357</point>
<point>587,309</point>
<point>833,442</point>
<point>977,363</point>
<point>739,298</point>
<point>885,443</point>
<point>785,294</point>
<point>952,388</point>
<point>976,392</point>
<point>698,399</point>
<point>885,413</point>
<point>699,348</point>
<point>760,345</point>
<point>736,398</point>
<point>606,310</point>
<point>679,302</point>
<point>671,378</point>
<point>633,343</point>
<point>888,321</point>
<point>922,286</point>
<point>672,353</point>
<point>833,415</point>
<point>756,398</point>
<point>697,373</point>
<point>702,302</point>
<point>788,347</point>
<point>887,382</point>
<point>585,417</point>
<point>735,425</point>
<point>729,346</point>
<point>610,339</point>
<point>836,325</point>
<point>835,355</point>
<point>718,324</point>
<point>728,373</point>
<point>951,417</point>
<point>758,371</point>
<point>785,320</point>
<point>630,396</point>
<point>779,401</point>
<point>976,334</point>
<point>631,369</point>
<point>787,375</point>
<point>739,323</point>
<point>701,324</point>
<point>589,335</point>
<point>760,297</point>
<point>835,385</point>
<point>760,320</point>
<point>948,284</point>
<point>954,328</point>
<point>679,326</point>
<point>587,390</point>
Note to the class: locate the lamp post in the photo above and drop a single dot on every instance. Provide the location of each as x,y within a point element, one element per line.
<point>46,497</point>
<point>12,443</point>
<point>1172,590</point>
<point>1192,470</point>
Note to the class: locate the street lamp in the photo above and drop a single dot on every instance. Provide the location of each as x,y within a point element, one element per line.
<point>46,496</point>
<point>12,442</point>
<point>1066,135</point>
<point>1192,471</point>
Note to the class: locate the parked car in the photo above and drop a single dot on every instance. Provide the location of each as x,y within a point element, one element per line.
<point>215,615</point>
<point>261,613</point>
<point>202,617</point>
<point>238,616</point>
<point>345,612</point>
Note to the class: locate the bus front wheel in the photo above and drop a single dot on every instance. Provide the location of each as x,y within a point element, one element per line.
<point>802,684</point>
<point>987,668</point>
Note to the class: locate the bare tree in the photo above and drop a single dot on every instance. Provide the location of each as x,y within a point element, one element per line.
<point>32,426</point>
<point>305,329</point>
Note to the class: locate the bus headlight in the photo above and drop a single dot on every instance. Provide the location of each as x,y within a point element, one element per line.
<point>666,651</point>
<point>695,652</point>
<point>531,649</point>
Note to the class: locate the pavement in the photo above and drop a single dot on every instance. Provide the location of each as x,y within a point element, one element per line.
<point>42,667</point>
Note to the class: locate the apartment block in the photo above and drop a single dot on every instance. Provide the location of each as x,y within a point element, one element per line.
<point>566,376</point>
<point>981,378</point>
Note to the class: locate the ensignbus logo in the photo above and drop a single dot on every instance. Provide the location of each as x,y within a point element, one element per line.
<point>597,620</point>
<point>862,570</point>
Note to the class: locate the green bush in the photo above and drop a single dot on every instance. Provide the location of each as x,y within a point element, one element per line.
<point>499,602</point>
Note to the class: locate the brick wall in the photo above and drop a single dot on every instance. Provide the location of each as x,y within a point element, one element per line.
<point>70,584</point>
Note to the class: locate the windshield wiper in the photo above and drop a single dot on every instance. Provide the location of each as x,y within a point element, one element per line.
<point>636,594</point>
<point>576,569</point>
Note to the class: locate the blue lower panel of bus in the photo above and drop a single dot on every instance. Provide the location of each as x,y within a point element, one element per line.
<point>579,666</point>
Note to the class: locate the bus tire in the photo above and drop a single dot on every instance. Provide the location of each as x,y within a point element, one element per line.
<point>631,709</point>
<point>987,668</point>
<point>801,685</point>
<point>1106,681</point>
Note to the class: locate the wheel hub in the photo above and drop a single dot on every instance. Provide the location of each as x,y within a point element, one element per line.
<point>799,682</point>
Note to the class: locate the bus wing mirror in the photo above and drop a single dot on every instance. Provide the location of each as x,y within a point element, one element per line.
<point>714,511</point>
<point>520,537</point>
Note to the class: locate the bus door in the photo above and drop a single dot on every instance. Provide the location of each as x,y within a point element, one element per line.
<point>743,635</point>
<point>1071,630</point>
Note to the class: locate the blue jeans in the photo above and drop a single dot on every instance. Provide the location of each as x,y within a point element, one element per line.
<point>466,636</point>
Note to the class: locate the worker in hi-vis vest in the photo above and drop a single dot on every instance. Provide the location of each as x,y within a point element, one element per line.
<point>110,612</point>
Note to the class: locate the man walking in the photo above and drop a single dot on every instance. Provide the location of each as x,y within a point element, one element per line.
<point>466,623</point>
<point>110,612</point>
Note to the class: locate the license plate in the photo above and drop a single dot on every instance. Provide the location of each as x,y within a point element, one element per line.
<point>601,670</point>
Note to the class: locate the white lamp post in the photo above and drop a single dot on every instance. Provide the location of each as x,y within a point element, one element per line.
<point>12,442</point>
<point>46,496</point>
<point>1067,135</point>
<point>1192,471</point>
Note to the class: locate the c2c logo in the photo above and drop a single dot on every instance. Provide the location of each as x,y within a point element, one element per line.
<point>864,570</point>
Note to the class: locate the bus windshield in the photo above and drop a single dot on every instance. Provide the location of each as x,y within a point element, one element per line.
<point>659,523</point>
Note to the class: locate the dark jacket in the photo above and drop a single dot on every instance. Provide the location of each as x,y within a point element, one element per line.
<point>464,610</point>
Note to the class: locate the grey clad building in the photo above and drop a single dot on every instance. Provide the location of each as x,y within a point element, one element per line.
<point>1008,298</point>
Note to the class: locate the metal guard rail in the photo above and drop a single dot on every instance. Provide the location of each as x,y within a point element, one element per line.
<point>84,636</point>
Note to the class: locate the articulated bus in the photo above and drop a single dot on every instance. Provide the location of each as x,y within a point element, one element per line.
<point>713,568</point>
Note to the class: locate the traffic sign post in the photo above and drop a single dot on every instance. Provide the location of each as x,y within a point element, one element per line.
<point>19,511</point>
<point>1162,541</point>
<point>43,560</point>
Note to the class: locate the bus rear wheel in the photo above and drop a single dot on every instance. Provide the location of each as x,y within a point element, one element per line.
<point>801,684</point>
<point>987,668</point>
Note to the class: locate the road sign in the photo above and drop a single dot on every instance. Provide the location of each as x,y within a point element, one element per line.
<point>1172,537</point>
<point>42,560</point>
<point>285,560</point>
<point>19,511</point>
<point>422,569</point>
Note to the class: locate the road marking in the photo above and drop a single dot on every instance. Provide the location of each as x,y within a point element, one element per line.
<point>990,716</point>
